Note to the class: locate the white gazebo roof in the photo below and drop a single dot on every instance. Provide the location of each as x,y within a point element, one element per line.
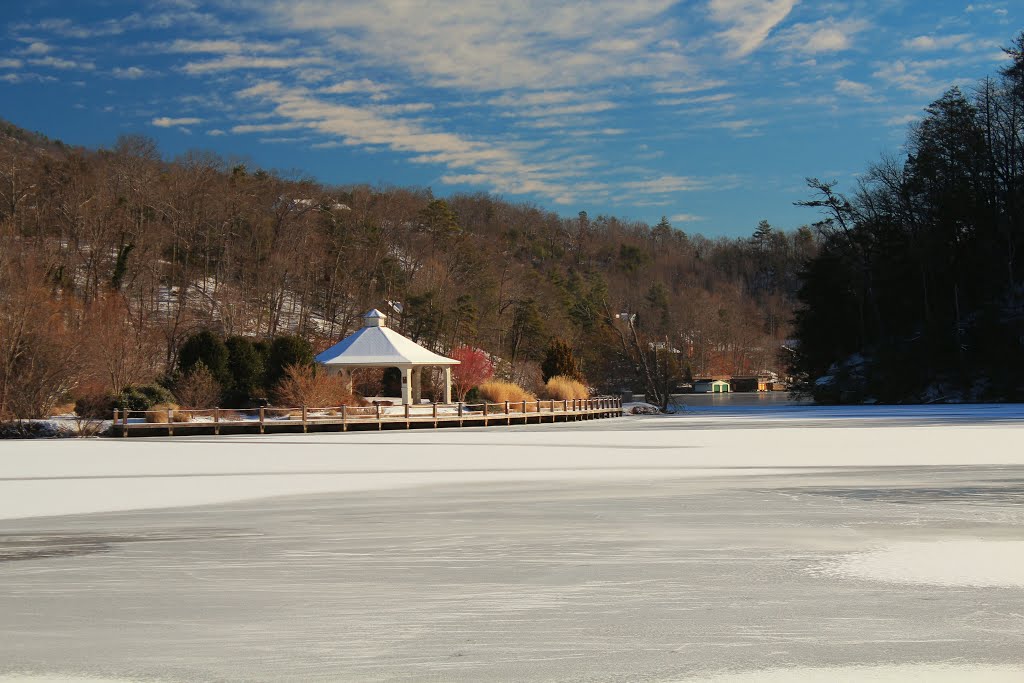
<point>376,345</point>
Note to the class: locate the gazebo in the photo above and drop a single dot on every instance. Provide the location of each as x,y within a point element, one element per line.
<point>375,345</point>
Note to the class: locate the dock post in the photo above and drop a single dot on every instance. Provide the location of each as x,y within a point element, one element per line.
<point>434,406</point>
<point>304,426</point>
<point>261,420</point>
<point>460,413</point>
<point>216,421</point>
<point>406,415</point>
<point>344,419</point>
<point>508,420</point>
<point>379,425</point>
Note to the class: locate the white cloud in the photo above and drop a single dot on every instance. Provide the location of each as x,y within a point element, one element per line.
<point>913,76</point>
<point>168,122</point>
<point>37,47</point>
<point>224,46</point>
<point>10,63</point>
<point>130,73</point>
<point>246,62</point>
<point>750,21</point>
<point>215,132</point>
<point>362,86</point>
<point>855,89</point>
<point>65,64</point>
<point>532,44</point>
<point>930,43</point>
<point>902,120</point>
<point>666,184</point>
<point>686,218</point>
<point>822,37</point>
<point>703,99</point>
<point>267,127</point>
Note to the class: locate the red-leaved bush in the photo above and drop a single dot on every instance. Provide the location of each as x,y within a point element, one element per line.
<point>474,369</point>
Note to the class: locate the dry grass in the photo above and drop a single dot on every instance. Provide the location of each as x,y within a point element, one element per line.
<point>562,388</point>
<point>158,413</point>
<point>498,392</point>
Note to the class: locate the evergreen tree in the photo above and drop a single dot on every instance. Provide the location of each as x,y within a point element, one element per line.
<point>245,365</point>
<point>559,360</point>
<point>207,348</point>
<point>284,351</point>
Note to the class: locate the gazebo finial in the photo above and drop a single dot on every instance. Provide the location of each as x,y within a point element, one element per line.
<point>375,318</point>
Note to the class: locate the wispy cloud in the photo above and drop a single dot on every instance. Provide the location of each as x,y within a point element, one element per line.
<point>247,62</point>
<point>494,47</point>
<point>64,64</point>
<point>931,43</point>
<point>822,37</point>
<point>168,122</point>
<point>224,46</point>
<point>686,218</point>
<point>130,73</point>
<point>37,47</point>
<point>856,89</point>
<point>360,85</point>
<point>749,21</point>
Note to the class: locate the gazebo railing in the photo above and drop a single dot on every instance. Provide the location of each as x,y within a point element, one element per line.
<point>275,418</point>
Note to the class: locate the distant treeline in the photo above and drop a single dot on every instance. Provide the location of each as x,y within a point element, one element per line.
<point>112,258</point>
<point>917,293</point>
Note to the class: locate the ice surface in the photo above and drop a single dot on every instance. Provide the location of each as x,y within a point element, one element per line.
<point>44,477</point>
<point>774,544</point>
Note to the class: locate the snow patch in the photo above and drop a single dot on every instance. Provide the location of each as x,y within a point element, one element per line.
<point>953,562</point>
<point>898,673</point>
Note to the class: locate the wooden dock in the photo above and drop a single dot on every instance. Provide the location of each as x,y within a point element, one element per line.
<point>274,420</point>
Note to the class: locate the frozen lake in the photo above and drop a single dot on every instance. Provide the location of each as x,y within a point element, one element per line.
<point>730,543</point>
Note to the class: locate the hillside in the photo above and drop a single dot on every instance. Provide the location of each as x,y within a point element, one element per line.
<point>113,257</point>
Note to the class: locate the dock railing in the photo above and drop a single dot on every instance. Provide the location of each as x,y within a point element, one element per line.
<point>274,419</point>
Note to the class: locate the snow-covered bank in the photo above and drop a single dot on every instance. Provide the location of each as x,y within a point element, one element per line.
<point>43,478</point>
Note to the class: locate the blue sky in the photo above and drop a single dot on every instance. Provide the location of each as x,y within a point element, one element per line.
<point>711,113</point>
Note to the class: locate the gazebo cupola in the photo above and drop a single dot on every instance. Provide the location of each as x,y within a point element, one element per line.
<point>375,345</point>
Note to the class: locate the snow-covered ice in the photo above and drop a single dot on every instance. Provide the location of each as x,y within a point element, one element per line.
<point>724,544</point>
<point>948,562</point>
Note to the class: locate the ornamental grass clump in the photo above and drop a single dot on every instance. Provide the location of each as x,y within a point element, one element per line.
<point>497,391</point>
<point>562,388</point>
<point>158,413</point>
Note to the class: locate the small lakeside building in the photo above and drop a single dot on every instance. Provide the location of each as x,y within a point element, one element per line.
<point>711,386</point>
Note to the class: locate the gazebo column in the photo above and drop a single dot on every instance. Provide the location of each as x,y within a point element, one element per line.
<point>407,385</point>
<point>447,384</point>
<point>417,383</point>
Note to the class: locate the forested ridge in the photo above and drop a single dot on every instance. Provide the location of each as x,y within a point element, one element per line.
<point>112,258</point>
<point>917,293</point>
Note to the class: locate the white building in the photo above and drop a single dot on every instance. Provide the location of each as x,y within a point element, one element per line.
<point>375,345</point>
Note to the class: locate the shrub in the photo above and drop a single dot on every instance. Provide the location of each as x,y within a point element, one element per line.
<point>563,388</point>
<point>497,391</point>
<point>205,348</point>
<point>306,385</point>
<point>474,369</point>
<point>198,389</point>
<point>130,398</point>
<point>96,406</point>
<point>285,351</point>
